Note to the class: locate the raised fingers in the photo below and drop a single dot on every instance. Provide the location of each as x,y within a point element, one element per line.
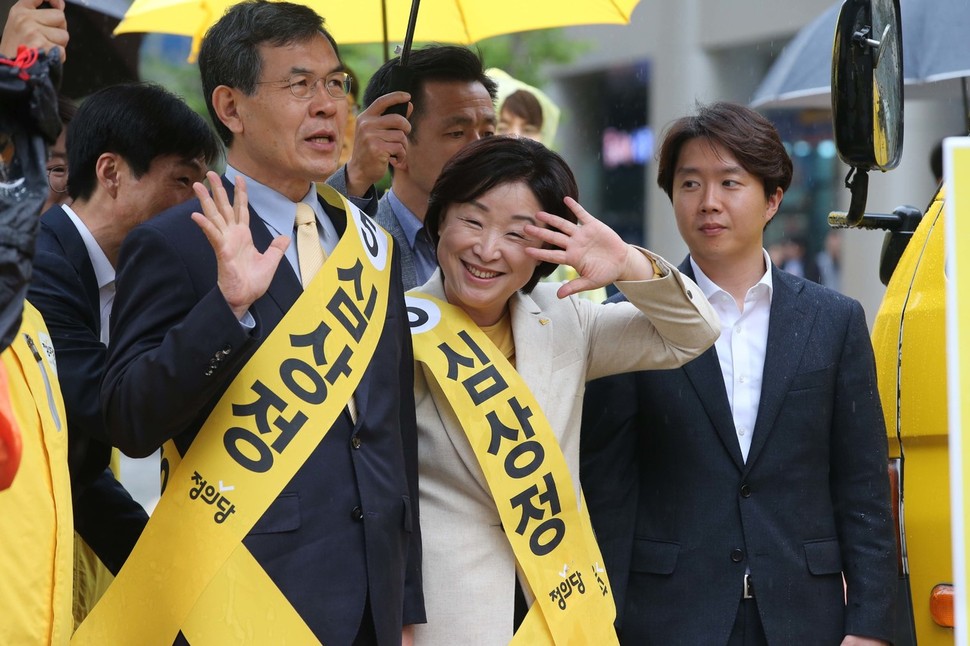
<point>553,237</point>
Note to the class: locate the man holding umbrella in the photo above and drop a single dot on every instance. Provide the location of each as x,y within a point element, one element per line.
<point>452,101</point>
<point>284,402</point>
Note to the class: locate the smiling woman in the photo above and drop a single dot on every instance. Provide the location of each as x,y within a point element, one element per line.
<point>502,366</point>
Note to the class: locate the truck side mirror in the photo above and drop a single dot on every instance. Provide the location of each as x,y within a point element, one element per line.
<point>867,93</point>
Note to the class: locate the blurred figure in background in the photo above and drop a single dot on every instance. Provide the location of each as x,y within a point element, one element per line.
<point>516,103</point>
<point>829,261</point>
<point>57,158</point>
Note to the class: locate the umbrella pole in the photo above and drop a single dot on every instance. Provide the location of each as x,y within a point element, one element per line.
<point>966,103</point>
<point>387,47</point>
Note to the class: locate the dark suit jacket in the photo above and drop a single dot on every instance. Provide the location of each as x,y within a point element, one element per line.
<point>810,504</point>
<point>344,531</point>
<point>65,291</point>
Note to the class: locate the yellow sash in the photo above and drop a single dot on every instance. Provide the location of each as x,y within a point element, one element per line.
<point>548,529</point>
<point>273,415</point>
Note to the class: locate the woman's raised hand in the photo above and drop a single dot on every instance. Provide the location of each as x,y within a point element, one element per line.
<point>593,249</point>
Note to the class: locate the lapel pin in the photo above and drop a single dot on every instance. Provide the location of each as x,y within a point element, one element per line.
<point>543,321</point>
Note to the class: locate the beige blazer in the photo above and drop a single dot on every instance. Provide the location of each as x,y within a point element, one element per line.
<point>560,344</point>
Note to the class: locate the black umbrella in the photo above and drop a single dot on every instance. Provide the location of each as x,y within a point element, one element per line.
<point>936,56</point>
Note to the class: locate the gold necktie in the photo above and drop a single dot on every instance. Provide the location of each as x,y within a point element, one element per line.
<point>311,255</point>
<point>308,248</point>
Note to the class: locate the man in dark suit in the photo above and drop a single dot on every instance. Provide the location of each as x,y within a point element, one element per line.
<point>135,150</point>
<point>341,541</point>
<point>453,105</point>
<point>757,473</point>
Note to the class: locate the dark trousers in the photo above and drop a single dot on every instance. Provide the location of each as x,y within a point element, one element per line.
<point>747,630</point>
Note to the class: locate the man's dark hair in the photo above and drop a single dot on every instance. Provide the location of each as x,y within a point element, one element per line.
<point>747,135</point>
<point>525,105</point>
<point>229,54</point>
<point>442,63</point>
<point>66,109</point>
<point>495,161</point>
<point>139,122</point>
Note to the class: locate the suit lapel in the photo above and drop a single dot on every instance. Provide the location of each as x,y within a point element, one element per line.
<point>76,253</point>
<point>387,219</point>
<point>789,324</point>
<point>705,375</point>
<point>533,336</point>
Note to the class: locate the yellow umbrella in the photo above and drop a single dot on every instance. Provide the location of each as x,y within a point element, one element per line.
<point>362,21</point>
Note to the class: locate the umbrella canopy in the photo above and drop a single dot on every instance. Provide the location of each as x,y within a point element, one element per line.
<point>936,54</point>
<point>361,21</point>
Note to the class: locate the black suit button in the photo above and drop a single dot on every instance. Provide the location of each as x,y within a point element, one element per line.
<point>226,350</point>
<point>355,442</point>
<point>208,373</point>
<point>745,490</point>
<point>357,513</point>
<point>737,555</point>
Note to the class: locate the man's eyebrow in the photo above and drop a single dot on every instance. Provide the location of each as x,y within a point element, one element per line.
<point>340,67</point>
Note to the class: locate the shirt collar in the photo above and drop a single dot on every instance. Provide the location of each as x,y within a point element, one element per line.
<point>709,288</point>
<point>104,272</point>
<point>274,208</point>
<point>409,222</point>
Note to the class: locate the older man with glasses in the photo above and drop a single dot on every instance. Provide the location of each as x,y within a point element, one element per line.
<point>260,335</point>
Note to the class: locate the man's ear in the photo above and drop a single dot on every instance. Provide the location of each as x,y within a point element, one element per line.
<point>399,164</point>
<point>226,107</point>
<point>774,201</point>
<point>108,171</point>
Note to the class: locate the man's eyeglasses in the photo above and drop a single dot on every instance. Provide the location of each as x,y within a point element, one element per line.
<point>57,178</point>
<point>303,86</point>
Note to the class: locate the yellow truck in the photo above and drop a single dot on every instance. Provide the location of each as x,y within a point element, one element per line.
<point>909,334</point>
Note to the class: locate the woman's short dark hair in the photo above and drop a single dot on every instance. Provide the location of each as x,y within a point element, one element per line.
<point>747,135</point>
<point>524,105</point>
<point>496,161</point>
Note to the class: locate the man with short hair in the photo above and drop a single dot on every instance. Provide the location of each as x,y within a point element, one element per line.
<point>748,483</point>
<point>286,400</point>
<point>134,150</point>
<point>453,105</point>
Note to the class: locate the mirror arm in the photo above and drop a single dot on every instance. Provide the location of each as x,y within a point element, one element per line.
<point>861,37</point>
<point>857,181</point>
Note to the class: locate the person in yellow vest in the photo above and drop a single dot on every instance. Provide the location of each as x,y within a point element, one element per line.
<point>37,532</point>
<point>502,362</point>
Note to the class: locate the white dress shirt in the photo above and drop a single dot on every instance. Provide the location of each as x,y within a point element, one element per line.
<point>741,347</point>
<point>104,272</point>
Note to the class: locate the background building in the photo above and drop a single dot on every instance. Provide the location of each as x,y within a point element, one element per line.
<point>618,96</point>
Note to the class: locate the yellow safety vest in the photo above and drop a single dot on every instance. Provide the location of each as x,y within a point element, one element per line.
<point>37,527</point>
